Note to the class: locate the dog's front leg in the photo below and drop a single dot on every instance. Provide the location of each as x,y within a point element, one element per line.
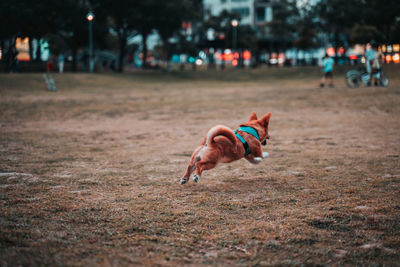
<point>192,165</point>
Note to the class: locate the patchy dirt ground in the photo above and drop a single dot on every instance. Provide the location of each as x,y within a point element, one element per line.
<point>89,174</point>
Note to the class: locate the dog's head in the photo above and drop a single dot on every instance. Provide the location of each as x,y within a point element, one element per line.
<point>261,125</point>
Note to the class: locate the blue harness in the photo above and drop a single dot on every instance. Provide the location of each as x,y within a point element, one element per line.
<point>248,130</point>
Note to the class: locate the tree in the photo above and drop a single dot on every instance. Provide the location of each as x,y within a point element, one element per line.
<point>122,18</point>
<point>72,29</point>
<point>283,26</point>
<point>168,22</point>
<point>146,14</point>
<point>362,34</point>
<point>383,15</point>
<point>222,26</point>
<point>337,18</point>
<point>40,19</point>
<point>26,18</point>
<point>8,16</point>
<point>305,41</point>
<point>306,35</point>
<point>395,33</point>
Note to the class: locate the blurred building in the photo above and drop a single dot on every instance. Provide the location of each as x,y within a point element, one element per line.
<point>255,13</point>
<point>252,12</point>
<point>259,15</point>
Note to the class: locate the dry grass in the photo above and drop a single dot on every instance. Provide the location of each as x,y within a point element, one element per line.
<point>89,174</point>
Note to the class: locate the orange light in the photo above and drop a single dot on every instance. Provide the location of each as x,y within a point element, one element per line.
<point>22,46</point>
<point>228,56</point>
<point>246,55</point>
<point>396,58</point>
<point>330,51</point>
<point>235,62</point>
<point>341,50</point>
<point>388,58</point>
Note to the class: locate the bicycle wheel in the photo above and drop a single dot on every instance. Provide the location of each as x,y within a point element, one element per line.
<point>353,80</point>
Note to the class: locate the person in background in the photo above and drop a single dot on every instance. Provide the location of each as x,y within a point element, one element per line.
<point>372,61</point>
<point>11,59</point>
<point>60,62</point>
<point>327,64</point>
<point>49,64</point>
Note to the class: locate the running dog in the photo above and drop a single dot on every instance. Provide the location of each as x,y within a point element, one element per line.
<point>225,145</point>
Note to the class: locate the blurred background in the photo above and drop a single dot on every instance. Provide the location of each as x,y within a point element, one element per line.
<point>123,36</point>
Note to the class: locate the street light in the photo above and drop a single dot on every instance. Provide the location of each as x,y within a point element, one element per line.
<point>234,23</point>
<point>90,18</point>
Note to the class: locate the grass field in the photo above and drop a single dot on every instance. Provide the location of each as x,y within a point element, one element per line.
<point>89,174</point>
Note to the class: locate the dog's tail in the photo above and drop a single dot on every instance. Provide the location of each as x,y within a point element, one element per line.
<point>219,130</point>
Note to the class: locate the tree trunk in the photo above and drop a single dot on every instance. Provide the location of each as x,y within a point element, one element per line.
<point>144,47</point>
<point>74,59</point>
<point>336,46</point>
<point>166,54</point>
<point>38,51</point>
<point>122,46</point>
<point>30,48</point>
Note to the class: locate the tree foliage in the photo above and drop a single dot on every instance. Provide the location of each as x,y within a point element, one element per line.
<point>362,34</point>
<point>64,24</point>
<point>285,18</point>
<point>246,36</point>
<point>359,20</point>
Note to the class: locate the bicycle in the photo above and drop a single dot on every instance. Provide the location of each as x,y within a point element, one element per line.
<point>355,77</point>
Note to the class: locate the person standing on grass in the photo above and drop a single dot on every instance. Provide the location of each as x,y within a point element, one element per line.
<point>372,64</point>
<point>61,62</point>
<point>327,64</point>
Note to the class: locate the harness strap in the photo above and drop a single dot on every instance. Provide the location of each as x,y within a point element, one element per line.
<point>248,130</point>
<point>245,144</point>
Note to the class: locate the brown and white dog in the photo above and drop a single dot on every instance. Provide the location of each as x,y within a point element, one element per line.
<point>225,145</point>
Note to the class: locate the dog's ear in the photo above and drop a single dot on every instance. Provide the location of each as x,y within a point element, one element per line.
<point>253,116</point>
<point>266,118</point>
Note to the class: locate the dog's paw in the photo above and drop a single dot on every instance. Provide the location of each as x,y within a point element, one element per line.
<point>265,155</point>
<point>196,177</point>
<point>257,160</point>
<point>183,181</point>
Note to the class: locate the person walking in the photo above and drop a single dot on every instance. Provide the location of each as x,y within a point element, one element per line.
<point>60,62</point>
<point>327,64</point>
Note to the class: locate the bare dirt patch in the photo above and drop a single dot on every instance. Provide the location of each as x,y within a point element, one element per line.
<point>89,174</point>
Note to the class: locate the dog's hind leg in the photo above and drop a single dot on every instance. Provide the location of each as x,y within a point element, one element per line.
<point>202,166</point>
<point>192,165</point>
